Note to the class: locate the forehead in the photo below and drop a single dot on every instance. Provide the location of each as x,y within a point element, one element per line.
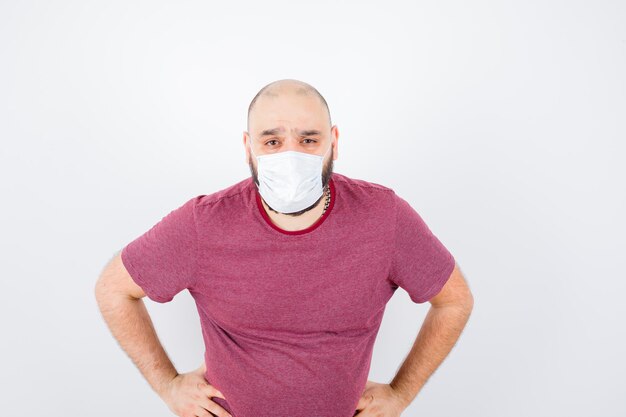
<point>288,112</point>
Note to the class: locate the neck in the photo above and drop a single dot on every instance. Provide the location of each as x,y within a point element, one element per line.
<point>293,223</point>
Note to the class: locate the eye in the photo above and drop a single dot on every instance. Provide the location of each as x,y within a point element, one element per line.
<point>310,139</point>
<point>273,140</point>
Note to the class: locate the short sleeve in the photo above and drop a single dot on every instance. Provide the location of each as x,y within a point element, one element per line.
<point>162,261</point>
<point>420,264</point>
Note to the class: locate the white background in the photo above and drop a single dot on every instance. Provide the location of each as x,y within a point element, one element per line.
<point>502,123</point>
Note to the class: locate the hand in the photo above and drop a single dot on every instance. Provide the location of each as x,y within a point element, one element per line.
<point>188,395</point>
<point>379,400</point>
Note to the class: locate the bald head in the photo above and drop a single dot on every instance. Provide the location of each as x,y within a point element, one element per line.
<point>283,88</point>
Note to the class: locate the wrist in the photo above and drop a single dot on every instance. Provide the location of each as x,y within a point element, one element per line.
<point>164,387</point>
<point>403,398</point>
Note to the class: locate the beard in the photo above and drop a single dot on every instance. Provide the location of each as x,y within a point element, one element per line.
<point>327,171</point>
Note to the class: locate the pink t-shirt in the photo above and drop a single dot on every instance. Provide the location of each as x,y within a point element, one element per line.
<point>289,319</point>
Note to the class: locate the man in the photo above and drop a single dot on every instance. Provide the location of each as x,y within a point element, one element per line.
<point>291,270</point>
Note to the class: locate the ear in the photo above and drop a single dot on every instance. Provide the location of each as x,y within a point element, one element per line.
<point>246,140</point>
<point>334,135</point>
<point>334,132</point>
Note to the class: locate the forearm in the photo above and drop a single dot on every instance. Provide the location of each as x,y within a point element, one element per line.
<point>132,327</point>
<point>438,334</point>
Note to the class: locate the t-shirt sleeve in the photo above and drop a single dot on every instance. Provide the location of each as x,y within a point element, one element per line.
<point>162,261</point>
<point>421,264</point>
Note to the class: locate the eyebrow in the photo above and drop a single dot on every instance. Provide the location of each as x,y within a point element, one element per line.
<point>276,130</point>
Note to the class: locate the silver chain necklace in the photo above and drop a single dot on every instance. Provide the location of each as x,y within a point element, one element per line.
<point>327,191</point>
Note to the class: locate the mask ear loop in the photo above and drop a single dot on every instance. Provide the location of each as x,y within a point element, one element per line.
<point>331,145</point>
<point>251,151</point>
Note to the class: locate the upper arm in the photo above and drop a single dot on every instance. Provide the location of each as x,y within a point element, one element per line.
<point>455,291</point>
<point>420,263</point>
<point>162,260</point>
<point>115,279</point>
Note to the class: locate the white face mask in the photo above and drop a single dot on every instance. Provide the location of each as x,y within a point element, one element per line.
<point>290,181</point>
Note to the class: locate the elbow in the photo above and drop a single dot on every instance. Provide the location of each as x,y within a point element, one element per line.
<point>101,290</point>
<point>468,303</point>
<point>465,301</point>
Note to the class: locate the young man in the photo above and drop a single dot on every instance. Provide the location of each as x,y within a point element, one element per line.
<point>291,270</point>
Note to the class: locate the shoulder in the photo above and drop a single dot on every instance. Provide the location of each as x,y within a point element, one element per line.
<point>363,193</point>
<point>224,196</point>
<point>345,181</point>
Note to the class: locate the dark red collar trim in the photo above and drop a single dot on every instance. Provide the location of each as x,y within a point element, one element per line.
<point>312,227</point>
